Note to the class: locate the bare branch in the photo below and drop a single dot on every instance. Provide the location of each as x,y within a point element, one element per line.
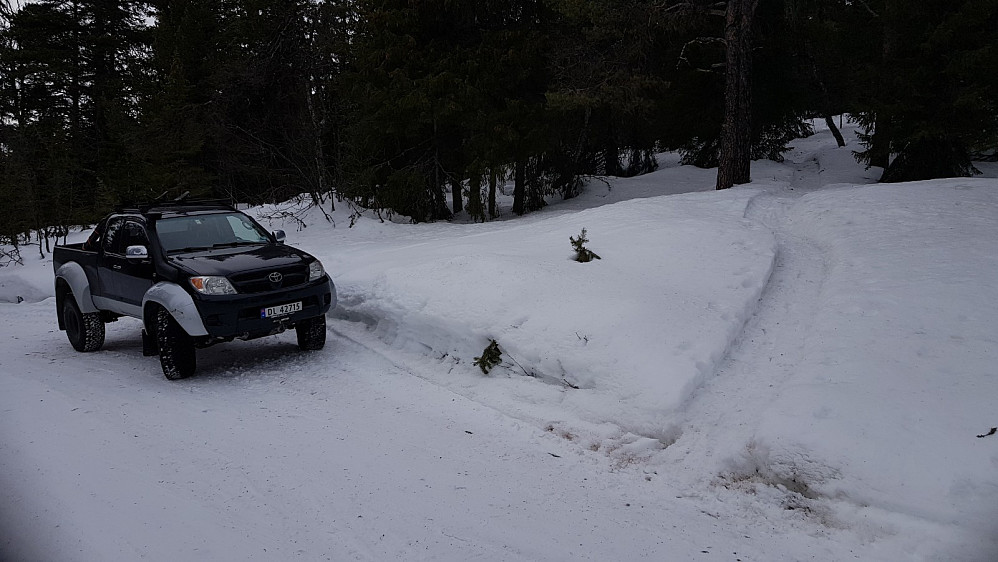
<point>697,41</point>
<point>868,8</point>
<point>689,7</point>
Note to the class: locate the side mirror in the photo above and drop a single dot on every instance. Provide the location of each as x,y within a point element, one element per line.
<point>136,253</point>
<point>279,236</point>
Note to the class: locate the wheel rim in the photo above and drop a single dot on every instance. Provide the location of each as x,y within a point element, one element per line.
<point>72,322</point>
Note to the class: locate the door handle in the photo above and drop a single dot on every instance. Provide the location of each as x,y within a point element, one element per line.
<point>116,267</point>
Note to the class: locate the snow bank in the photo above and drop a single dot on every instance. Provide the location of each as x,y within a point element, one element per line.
<point>16,289</point>
<point>898,376</point>
<point>631,335</point>
<point>32,279</point>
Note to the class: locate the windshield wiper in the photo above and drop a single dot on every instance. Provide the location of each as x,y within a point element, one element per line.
<point>236,243</point>
<point>213,246</point>
<point>188,249</point>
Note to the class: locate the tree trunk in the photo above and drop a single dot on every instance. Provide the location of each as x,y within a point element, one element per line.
<point>320,188</point>
<point>611,159</point>
<point>456,199</point>
<point>835,130</point>
<point>736,130</point>
<point>519,187</point>
<point>880,142</point>
<point>493,180</point>
<point>825,98</point>
<point>883,130</point>
<point>475,210</point>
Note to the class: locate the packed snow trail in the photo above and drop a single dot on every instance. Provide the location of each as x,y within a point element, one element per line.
<point>771,425</point>
<point>719,422</point>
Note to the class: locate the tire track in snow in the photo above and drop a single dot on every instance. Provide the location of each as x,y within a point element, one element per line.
<point>772,342</point>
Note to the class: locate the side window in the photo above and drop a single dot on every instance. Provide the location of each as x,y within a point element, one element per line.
<point>111,237</point>
<point>133,235</point>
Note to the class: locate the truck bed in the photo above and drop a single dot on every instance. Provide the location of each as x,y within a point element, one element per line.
<point>73,252</point>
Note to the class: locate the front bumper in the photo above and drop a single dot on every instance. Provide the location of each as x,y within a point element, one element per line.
<point>238,316</point>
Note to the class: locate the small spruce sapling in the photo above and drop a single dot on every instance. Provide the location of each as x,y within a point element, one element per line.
<point>582,254</point>
<point>490,358</point>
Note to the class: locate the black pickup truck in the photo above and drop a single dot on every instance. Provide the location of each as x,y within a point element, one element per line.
<point>196,274</point>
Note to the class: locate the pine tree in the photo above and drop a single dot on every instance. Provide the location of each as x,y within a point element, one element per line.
<point>606,80</point>
<point>439,90</point>
<point>930,78</point>
<point>182,140</point>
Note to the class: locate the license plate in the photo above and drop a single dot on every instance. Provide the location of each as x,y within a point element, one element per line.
<point>280,310</point>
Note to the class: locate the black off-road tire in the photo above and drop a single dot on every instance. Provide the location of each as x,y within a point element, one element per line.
<point>311,333</point>
<point>85,331</point>
<point>176,347</point>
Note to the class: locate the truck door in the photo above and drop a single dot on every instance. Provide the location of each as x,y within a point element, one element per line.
<point>135,277</point>
<point>126,280</point>
<point>108,263</point>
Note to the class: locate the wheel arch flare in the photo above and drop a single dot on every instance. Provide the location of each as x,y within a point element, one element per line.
<point>177,302</point>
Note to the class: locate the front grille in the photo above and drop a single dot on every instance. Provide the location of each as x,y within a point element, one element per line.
<point>259,281</point>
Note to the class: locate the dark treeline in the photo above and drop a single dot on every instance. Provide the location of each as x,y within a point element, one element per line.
<point>427,107</point>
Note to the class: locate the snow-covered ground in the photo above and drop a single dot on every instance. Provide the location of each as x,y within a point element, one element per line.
<point>795,369</point>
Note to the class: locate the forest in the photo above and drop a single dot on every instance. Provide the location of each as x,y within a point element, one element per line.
<point>425,108</point>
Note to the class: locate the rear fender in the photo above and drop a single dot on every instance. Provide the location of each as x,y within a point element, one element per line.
<point>177,302</point>
<point>74,276</point>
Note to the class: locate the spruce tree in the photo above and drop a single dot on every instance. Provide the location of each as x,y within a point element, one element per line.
<point>931,81</point>
<point>72,70</point>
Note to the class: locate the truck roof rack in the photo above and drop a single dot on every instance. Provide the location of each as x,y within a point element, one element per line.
<point>178,203</point>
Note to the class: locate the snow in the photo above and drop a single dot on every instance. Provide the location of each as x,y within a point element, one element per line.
<point>592,326</point>
<point>793,369</point>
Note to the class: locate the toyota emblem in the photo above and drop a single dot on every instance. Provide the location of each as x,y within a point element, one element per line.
<point>275,277</point>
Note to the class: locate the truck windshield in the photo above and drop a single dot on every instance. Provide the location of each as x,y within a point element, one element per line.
<point>196,232</point>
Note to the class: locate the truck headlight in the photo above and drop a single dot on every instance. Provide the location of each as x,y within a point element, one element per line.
<point>212,285</point>
<point>315,271</point>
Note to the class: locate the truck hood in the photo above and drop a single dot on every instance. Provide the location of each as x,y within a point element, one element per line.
<point>230,261</point>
